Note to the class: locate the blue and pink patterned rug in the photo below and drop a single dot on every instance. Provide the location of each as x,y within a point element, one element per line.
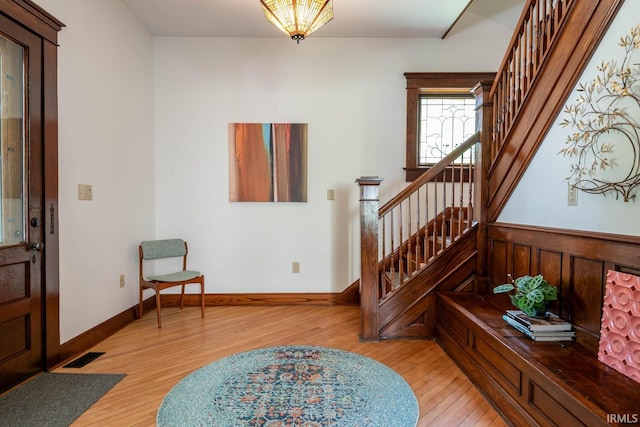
<point>300,386</point>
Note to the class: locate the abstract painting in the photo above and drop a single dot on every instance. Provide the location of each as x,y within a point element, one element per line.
<point>268,162</point>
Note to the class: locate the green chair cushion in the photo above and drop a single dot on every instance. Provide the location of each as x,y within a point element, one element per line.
<point>168,248</point>
<point>179,276</point>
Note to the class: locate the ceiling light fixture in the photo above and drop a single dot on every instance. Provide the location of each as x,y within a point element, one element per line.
<point>298,18</point>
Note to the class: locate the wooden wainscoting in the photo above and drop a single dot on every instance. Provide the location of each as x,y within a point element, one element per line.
<point>577,262</point>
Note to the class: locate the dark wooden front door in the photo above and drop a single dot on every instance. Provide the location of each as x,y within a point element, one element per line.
<point>22,210</point>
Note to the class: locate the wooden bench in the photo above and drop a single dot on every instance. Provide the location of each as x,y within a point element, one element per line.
<point>532,383</point>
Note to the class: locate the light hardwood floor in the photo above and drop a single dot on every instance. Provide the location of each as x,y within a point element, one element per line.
<point>157,359</point>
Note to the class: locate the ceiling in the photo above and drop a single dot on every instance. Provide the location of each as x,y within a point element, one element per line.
<point>352,18</point>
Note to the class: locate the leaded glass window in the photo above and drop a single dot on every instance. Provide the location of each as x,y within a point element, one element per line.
<point>445,121</point>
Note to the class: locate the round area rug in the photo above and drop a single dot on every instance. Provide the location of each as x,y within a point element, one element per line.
<point>291,386</point>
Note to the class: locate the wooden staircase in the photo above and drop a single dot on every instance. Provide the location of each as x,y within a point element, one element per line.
<point>548,52</point>
<point>431,236</point>
<point>422,240</point>
<point>413,255</point>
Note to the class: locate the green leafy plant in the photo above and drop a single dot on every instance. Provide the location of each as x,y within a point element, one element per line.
<point>530,294</point>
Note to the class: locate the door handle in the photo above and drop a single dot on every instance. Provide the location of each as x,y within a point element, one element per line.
<point>37,246</point>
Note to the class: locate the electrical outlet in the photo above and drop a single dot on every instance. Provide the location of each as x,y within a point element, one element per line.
<point>295,267</point>
<point>572,195</point>
<point>122,280</point>
<point>85,192</point>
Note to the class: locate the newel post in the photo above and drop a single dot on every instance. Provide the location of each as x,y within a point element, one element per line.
<point>369,207</point>
<point>484,122</point>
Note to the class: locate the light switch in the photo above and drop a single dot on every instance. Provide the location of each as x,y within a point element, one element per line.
<point>85,192</point>
<point>572,196</point>
<point>331,194</point>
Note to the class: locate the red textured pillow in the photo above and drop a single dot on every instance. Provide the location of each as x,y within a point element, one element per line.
<point>620,327</point>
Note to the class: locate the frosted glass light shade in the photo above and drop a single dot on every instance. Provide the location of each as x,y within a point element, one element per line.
<point>298,18</point>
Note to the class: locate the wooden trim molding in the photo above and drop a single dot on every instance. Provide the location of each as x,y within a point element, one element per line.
<point>95,335</point>
<point>83,342</point>
<point>624,249</point>
<point>419,82</point>
<point>575,261</point>
<point>212,300</point>
<point>33,17</point>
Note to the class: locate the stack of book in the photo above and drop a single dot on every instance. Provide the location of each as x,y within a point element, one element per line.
<point>552,328</point>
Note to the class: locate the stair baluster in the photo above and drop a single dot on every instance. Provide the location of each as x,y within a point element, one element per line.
<point>415,231</point>
<point>535,32</point>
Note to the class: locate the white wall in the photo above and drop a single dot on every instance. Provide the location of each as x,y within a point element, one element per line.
<point>125,98</point>
<point>352,94</point>
<point>541,195</point>
<point>105,99</point>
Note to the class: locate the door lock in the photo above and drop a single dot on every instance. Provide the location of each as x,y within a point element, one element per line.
<point>37,246</point>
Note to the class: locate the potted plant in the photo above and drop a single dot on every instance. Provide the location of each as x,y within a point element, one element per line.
<point>532,295</point>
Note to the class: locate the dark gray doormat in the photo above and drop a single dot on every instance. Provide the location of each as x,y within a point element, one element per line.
<point>83,360</point>
<point>53,399</point>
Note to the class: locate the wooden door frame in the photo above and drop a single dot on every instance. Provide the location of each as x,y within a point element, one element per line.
<point>38,21</point>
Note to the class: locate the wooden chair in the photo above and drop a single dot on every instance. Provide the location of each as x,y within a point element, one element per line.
<point>168,248</point>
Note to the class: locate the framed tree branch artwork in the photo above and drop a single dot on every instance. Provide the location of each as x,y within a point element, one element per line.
<point>268,162</point>
<point>605,143</point>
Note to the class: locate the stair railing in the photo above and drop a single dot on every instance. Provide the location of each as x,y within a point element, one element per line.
<point>427,216</point>
<point>401,237</point>
<point>540,22</point>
